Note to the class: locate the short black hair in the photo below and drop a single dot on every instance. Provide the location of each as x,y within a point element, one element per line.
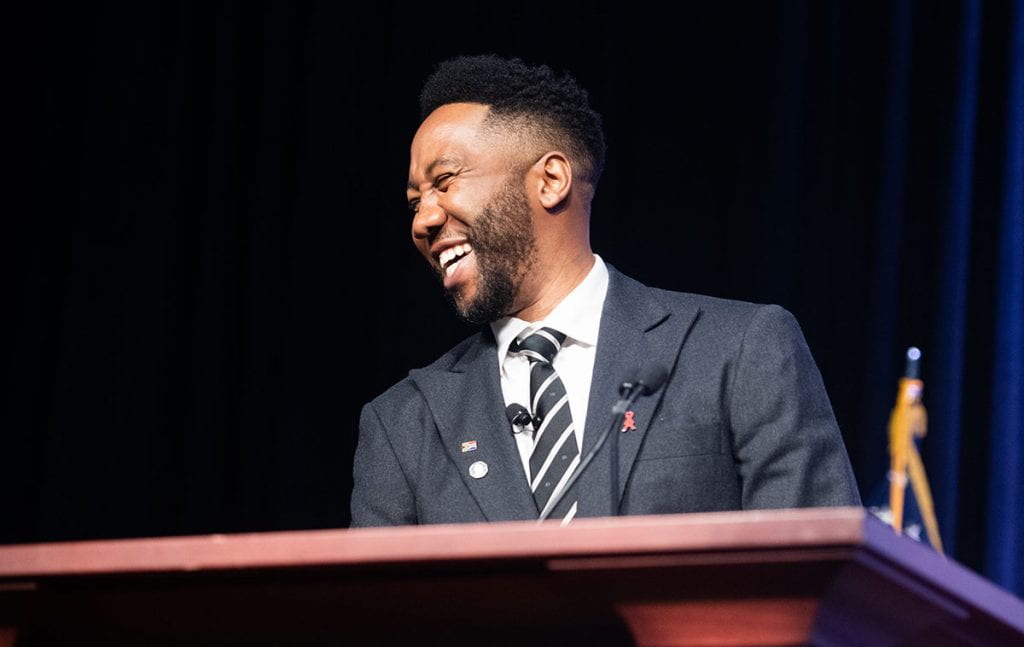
<point>555,105</point>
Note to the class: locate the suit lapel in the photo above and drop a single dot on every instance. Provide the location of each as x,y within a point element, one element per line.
<point>468,405</point>
<point>636,331</point>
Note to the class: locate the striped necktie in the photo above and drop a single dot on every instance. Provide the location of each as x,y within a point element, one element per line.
<point>555,452</point>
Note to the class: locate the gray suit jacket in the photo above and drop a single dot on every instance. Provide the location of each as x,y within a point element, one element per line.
<point>742,422</point>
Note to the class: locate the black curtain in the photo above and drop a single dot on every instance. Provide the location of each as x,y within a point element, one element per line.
<point>208,266</point>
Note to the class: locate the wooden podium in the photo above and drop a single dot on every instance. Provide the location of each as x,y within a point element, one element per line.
<point>826,576</point>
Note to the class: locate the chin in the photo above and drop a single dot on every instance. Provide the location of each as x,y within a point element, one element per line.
<point>463,307</point>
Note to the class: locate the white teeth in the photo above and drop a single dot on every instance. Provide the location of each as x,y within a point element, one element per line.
<point>451,268</point>
<point>453,252</point>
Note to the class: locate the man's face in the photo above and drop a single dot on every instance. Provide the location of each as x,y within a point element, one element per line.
<point>472,220</point>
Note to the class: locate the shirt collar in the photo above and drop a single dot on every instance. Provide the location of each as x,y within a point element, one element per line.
<point>578,315</point>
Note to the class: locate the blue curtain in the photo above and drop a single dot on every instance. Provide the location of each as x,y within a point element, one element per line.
<point>1006,456</point>
<point>951,247</point>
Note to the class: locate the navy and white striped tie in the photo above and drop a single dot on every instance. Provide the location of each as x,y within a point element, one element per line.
<point>555,451</point>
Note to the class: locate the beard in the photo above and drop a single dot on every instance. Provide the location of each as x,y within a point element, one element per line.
<point>505,247</point>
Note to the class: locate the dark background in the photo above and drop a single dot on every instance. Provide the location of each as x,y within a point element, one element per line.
<point>211,268</point>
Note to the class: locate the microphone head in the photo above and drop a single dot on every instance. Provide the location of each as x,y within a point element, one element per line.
<point>649,379</point>
<point>652,377</point>
<point>518,417</point>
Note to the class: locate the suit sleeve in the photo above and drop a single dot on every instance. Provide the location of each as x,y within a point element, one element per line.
<point>381,495</point>
<point>788,449</point>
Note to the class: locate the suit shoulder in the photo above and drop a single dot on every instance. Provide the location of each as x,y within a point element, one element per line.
<point>405,389</point>
<point>726,314</point>
<point>705,302</point>
<point>453,355</point>
<point>716,317</point>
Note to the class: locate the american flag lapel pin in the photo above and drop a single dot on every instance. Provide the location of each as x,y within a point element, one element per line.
<point>469,446</point>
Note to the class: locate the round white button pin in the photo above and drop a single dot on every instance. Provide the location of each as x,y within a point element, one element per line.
<point>478,470</point>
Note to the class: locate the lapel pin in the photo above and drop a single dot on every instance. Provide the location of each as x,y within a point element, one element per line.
<point>628,424</point>
<point>469,446</point>
<point>478,470</point>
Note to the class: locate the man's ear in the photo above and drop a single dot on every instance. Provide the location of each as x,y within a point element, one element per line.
<point>553,180</point>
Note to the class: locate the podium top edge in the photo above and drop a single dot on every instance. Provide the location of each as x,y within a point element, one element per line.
<point>640,535</point>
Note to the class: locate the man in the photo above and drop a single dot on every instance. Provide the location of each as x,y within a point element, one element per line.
<point>502,172</point>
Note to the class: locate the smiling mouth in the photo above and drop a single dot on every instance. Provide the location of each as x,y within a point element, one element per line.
<point>452,257</point>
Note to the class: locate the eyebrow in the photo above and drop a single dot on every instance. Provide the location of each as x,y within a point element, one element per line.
<point>440,161</point>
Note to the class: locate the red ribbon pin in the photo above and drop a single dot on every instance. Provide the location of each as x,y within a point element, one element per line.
<point>628,424</point>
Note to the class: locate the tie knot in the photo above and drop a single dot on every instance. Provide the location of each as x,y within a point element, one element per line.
<point>541,346</point>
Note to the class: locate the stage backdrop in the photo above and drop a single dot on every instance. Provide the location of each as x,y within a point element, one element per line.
<point>208,195</point>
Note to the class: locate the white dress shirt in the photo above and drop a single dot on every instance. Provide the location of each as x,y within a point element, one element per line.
<point>578,316</point>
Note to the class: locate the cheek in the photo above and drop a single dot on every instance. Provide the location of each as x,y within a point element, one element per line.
<point>465,200</point>
<point>457,207</point>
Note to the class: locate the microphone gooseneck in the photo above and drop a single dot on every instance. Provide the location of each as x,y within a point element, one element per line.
<point>649,379</point>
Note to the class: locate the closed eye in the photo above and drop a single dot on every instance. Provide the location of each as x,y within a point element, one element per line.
<point>441,181</point>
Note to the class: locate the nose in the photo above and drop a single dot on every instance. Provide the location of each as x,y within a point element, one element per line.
<point>429,218</point>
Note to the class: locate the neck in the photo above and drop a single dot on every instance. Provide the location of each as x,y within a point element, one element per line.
<point>560,278</point>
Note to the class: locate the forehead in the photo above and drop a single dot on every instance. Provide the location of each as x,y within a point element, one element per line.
<point>454,133</point>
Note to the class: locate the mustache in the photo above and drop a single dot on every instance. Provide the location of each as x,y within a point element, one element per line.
<point>448,235</point>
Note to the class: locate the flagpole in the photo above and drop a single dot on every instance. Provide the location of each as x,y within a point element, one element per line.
<point>909,420</point>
